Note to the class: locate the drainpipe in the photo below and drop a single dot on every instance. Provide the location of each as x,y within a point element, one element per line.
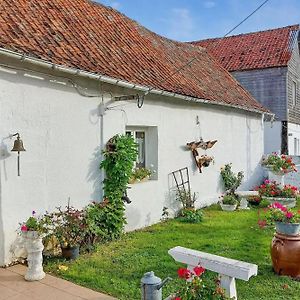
<point>101,144</point>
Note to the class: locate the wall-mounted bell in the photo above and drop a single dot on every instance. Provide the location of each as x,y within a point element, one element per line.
<point>18,147</point>
<point>18,144</point>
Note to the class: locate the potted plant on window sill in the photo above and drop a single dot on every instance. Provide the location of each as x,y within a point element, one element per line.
<point>140,175</point>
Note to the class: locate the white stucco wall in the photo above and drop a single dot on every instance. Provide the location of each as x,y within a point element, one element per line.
<point>294,139</point>
<point>272,137</point>
<point>61,133</point>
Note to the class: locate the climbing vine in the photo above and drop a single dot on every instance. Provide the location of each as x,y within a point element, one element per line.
<point>119,158</point>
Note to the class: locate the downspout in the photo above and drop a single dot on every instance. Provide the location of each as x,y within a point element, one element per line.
<point>101,144</point>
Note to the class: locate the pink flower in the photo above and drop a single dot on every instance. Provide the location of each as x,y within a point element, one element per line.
<point>289,214</point>
<point>198,271</point>
<point>24,228</point>
<point>267,181</point>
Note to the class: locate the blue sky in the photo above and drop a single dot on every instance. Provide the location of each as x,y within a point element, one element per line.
<point>199,19</point>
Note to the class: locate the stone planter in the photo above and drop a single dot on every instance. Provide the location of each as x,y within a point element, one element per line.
<point>288,202</point>
<point>228,207</point>
<point>34,247</point>
<point>287,228</point>
<point>277,177</point>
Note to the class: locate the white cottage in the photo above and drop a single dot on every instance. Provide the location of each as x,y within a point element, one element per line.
<point>62,63</point>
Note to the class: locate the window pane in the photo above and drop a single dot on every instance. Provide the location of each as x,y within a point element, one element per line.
<point>140,140</point>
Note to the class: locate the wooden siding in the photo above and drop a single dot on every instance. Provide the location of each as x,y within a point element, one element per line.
<point>293,75</point>
<point>267,86</point>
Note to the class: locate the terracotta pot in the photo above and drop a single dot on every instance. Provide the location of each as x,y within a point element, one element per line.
<point>285,254</point>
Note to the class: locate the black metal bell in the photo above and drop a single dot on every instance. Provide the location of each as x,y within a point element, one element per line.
<point>18,145</point>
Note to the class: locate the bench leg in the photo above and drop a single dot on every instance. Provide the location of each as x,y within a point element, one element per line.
<point>228,284</point>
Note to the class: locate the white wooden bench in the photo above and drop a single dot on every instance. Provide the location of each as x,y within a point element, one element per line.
<point>228,269</point>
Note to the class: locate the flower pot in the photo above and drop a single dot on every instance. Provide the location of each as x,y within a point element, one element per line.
<point>70,252</point>
<point>288,202</point>
<point>285,254</point>
<point>277,177</point>
<point>287,228</point>
<point>228,207</point>
<point>34,247</point>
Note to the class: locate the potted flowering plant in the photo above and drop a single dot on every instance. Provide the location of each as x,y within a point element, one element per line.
<point>140,174</point>
<point>273,192</point>
<point>231,182</point>
<point>279,164</point>
<point>33,230</point>
<point>287,221</point>
<point>195,287</point>
<point>70,229</point>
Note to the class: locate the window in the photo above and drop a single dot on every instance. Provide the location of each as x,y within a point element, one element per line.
<point>146,138</point>
<point>139,137</point>
<point>294,93</point>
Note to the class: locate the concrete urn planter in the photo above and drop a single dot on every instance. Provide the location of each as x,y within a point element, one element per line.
<point>277,177</point>
<point>288,202</point>
<point>34,246</point>
<point>228,207</point>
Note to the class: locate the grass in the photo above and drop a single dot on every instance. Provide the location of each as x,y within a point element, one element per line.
<point>117,267</point>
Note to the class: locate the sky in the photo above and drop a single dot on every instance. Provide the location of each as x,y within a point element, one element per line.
<point>191,20</point>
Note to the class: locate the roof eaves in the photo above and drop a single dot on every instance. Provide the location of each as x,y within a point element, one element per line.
<point>120,82</point>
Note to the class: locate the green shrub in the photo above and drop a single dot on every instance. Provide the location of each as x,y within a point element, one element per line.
<point>190,216</point>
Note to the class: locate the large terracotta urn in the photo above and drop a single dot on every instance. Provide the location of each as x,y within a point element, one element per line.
<point>285,253</point>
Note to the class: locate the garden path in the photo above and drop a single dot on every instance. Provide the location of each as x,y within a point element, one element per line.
<point>14,287</point>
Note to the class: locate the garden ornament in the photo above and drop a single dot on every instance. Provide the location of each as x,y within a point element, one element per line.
<point>18,147</point>
<point>151,286</point>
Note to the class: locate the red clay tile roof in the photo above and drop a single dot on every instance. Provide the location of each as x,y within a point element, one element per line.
<point>256,50</point>
<point>92,37</point>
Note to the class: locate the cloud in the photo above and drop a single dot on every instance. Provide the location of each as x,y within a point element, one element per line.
<point>180,24</point>
<point>209,4</point>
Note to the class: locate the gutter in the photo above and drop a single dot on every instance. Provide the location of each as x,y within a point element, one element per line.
<point>118,82</point>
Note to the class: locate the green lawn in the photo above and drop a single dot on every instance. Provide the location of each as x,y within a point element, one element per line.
<point>117,267</point>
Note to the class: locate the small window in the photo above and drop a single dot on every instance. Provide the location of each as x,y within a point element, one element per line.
<point>139,137</point>
<point>146,138</point>
<point>294,93</point>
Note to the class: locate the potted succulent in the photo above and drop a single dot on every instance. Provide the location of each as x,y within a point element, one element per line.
<point>194,286</point>
<point>33,230</point>
<point>140,175</point>
<point>273,192</point>
<point>70,229</point>
<point>231,182</point>
<point>278,166</point>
